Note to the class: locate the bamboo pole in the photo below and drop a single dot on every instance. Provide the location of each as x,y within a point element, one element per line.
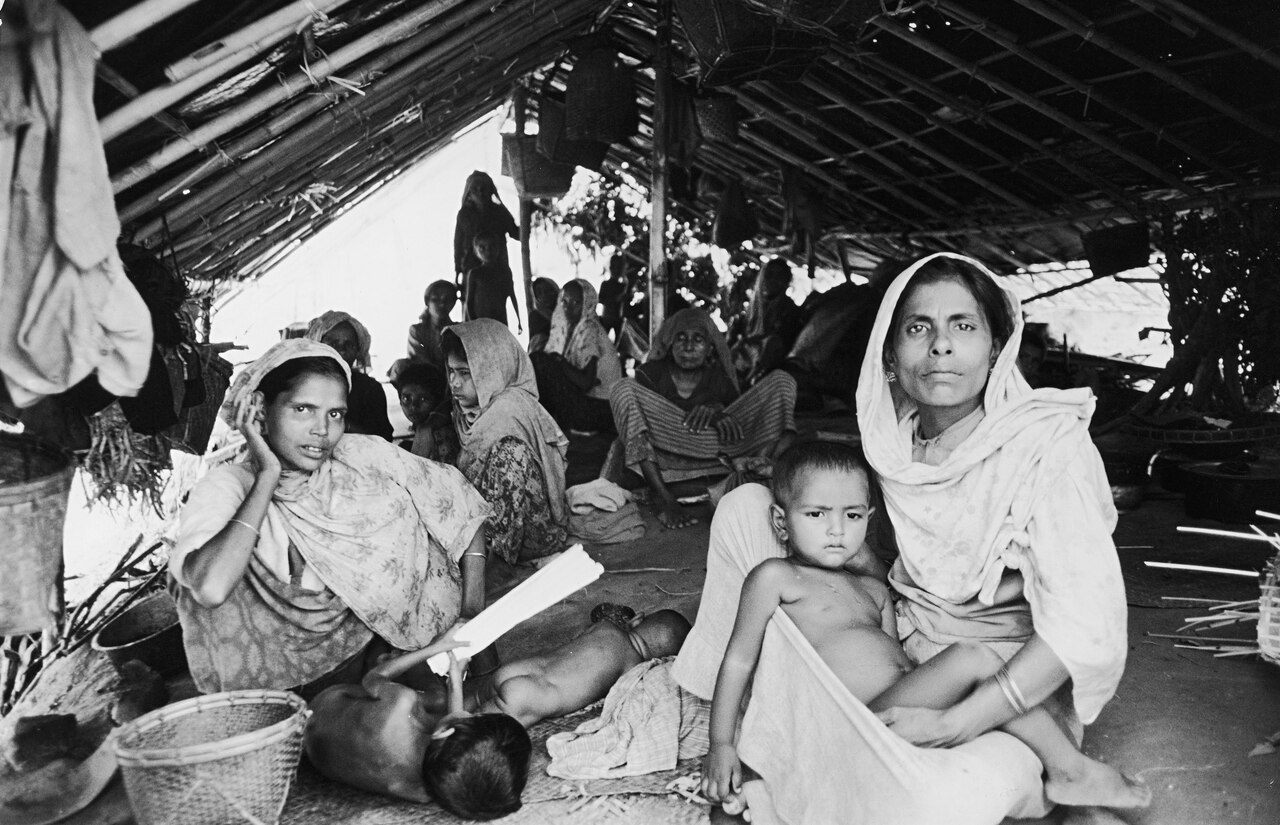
<point>1266,55</point>
<point>134,20</point>
<point>121,84</point>
<point>289,87</point>
<point>658,264</point>
<point>518,101</point>
<point>1092,93</point>
<point>415,70</point>
<point>1090,34</point>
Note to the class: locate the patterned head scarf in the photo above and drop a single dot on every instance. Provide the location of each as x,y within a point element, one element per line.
<point>694,320</point>
<point>236,404</point>
<point>321,325</point>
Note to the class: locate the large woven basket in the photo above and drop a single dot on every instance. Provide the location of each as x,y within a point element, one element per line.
<point>195,423</point>
<point>735,44</point>
<point>221,759</point>
<point>535,175</point>
<point>35,478</point>
<point>1269,613</point>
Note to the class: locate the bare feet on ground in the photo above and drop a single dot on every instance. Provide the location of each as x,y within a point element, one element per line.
<point>672,515</point>
<point>1099,785</point>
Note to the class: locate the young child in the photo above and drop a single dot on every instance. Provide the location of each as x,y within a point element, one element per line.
<point>490,284</point>
<point>425,401</point>
<point>424,336</point>
<point>378,736</point>
<point>822,502</point>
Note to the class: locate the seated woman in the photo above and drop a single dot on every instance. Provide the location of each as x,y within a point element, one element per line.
<point>366,402</point>
<point>425,401</point>
<point>511,449</point>
<point>424,336</point>
<point>298,566</point>
<point>580,365</point>
<point>772,322</point>
<point>682,412</point>
<point>1002,516</point>
<point>545,296</point>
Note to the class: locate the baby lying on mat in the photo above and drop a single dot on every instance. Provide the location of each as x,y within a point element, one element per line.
<point>386,737</point>
<point>823,502</point>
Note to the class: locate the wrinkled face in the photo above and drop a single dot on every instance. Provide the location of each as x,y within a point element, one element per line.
<point>416,402</point>
<point>943,350</point>
<point>461,384</point>
<point>372,742</point>
<point>571,300</point>
<point>690,349</point>
<point>826,520</point>
<point>343,338</point>
<point>303,425</point>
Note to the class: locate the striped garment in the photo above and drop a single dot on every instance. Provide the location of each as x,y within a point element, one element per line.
<point>651,427</point>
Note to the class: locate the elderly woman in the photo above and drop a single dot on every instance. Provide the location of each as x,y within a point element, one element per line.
<point>366,401</point>
<point>1002,517</point>
<point>424,336</point>
<point>297,566</point>
<point>683,417</point>
<point>580,365</point>
<point>511,449</point>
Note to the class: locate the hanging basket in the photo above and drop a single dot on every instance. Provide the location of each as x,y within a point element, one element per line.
<point>555,145</point>
<point>195,423</point>
<point>221,758</point>
<point>829,15</point>
<point>600,96</point>
<point>735,44</point>
<point>535,175</point>
<point>717,117</point>
<point>35,478</point>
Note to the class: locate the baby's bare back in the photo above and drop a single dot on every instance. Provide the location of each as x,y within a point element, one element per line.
<point>840,616</point>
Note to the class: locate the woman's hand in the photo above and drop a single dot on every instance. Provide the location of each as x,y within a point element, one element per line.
<point>702,416</point>
<point>250,426</point>
<point>925,727</point>
<point>721,773</point>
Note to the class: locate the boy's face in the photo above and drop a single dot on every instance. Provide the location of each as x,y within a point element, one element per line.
<point>416,403</point>
<point>374,743</point>
<point>484,249</point>
<point>825,522</point>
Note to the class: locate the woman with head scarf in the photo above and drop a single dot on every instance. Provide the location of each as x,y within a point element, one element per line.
<point>683,417</point>
<point>424,336</point>
<point>297,566</point>
<point>482,215</point>
<point>366,402</point>
<point>580,365</point>
<point>1001,514</point>
<point>511,448</point>
<point>772,321</point>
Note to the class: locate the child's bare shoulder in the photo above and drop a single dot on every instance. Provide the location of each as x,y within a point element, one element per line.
<point>872,586</point>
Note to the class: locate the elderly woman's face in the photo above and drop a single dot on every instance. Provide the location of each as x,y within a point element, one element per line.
<point>943,349</point>
<point>343,338</point>
<point>690,349</point>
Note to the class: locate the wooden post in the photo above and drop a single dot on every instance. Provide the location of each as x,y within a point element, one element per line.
<point>526,211</point>
<point>658,179</point>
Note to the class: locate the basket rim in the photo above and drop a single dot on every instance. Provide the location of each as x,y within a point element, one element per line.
<point>54,451</point>
<point>209,751</point>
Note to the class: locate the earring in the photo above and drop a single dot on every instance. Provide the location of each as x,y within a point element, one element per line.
<point>890,376</point>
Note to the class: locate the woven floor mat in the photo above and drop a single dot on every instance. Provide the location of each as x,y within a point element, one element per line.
<point>638,799</point>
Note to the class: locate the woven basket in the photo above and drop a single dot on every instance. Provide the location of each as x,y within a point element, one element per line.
<point>35,478</point>
<point>600,96</point>
<point>195,423</point>
<point>736,44</point>
<point>213,760</point>
<point>717,117</point>
<point>1269,614</point>
<point>535,176</point>
<point>552,142</point>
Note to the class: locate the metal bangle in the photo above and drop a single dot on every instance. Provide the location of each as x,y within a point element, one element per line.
<point>246,524</point>
<point>484,556</point>
<point>1011,692</point>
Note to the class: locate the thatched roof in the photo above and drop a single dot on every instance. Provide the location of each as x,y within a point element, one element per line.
<point>1005,128</point>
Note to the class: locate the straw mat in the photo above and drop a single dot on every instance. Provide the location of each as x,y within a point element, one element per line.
<point>547,799</point>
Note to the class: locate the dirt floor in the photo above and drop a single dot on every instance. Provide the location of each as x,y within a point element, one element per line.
<point>1182,719</point>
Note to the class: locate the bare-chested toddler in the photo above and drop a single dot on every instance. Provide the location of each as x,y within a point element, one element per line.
<point>386,737</point>
<point>822,501</point>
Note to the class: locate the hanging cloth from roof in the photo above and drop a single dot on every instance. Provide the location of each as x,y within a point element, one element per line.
<point>67,308</point>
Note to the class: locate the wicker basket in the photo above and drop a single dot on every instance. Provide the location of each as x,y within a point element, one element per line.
<point>195,423</point>
<point>35,478</point>
<point>736,44</point>
<point>600,95</point>
<point>552,142</point>
<point>1269,614</point>
<point>717,117</point>
<point>535,176</point>
<point>213,760</point>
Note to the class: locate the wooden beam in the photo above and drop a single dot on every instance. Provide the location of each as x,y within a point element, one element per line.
<point>518,99</point>
<point>1266,55</point>
<point>134,20</point>
<point>122,85</point>
<point>1090,34</point>
<point>658,264</point>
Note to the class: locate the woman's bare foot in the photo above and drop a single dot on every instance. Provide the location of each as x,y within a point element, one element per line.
<point>672,515</point>
<point>1096,784</point>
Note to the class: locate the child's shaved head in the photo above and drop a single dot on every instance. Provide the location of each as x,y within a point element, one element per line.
<point>805,457</point>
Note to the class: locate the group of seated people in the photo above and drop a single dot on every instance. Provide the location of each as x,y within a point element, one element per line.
<point>334,563</point>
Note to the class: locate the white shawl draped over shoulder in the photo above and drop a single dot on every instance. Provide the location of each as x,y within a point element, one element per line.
<point>1025,491</point>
